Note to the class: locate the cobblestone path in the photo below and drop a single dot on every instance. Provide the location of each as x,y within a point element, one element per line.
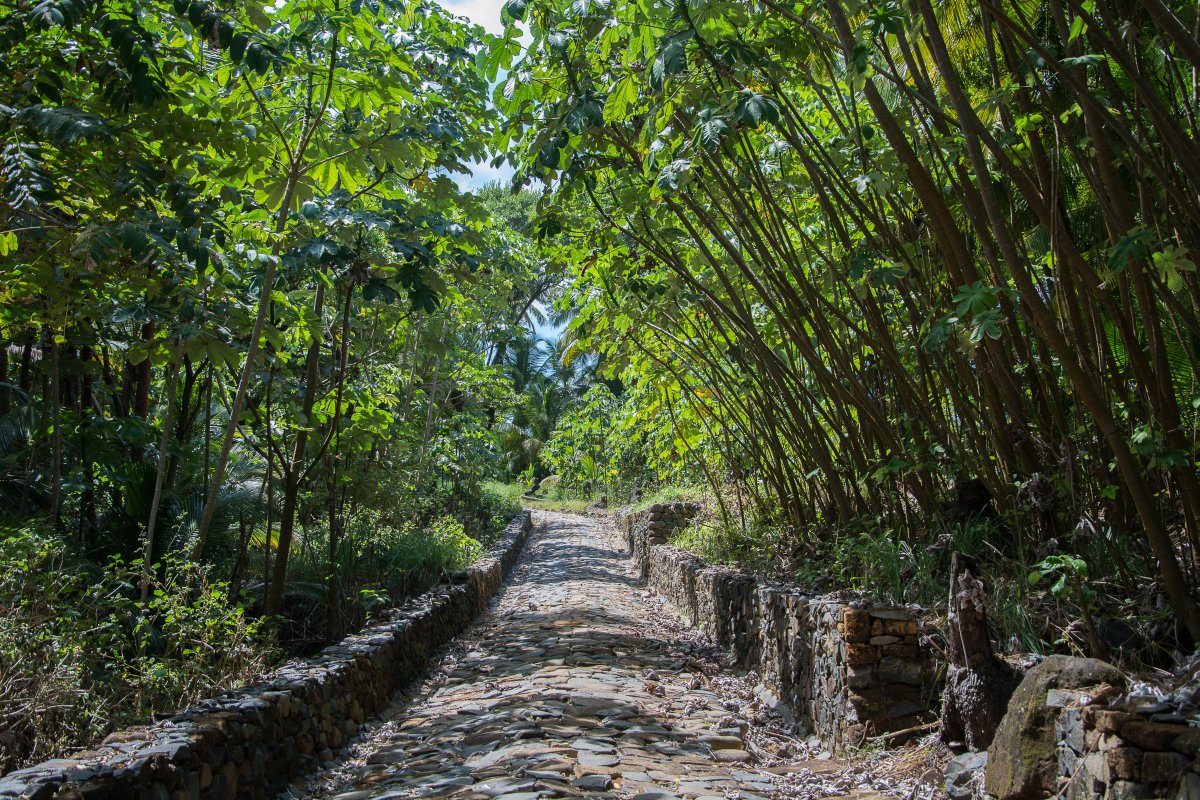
<point>566,688</point>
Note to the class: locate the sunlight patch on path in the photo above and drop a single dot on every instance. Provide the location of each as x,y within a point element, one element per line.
<point>572,686</point>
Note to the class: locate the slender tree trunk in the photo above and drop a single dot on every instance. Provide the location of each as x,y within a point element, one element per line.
<point>293,470</point>
<point>336,620</point>
<point>160,475</point>
<point>430,399</point>
<point>1091,398</point>
<point>56,438</point>
<point>208,389</point>
<point>269,478</point>
<point>5,392</point>
<point>247,373</point>
<point>25,375</point>
<point>185,415</point>
<point>141,394</point>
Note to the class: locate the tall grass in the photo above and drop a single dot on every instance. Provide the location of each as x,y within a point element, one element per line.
<point>557,499</point>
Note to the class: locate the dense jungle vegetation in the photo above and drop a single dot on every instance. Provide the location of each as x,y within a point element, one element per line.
<point>877,280</point>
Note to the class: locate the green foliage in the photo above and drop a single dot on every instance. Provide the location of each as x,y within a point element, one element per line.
<point>1068,571</point>
<point>80,656</point>
<point>578,452</point>
<point>552,500</point>
<point>247,314</point>
<point>385,562</point>
<point>1071,582</point>
<point>846,258</point>
<point>829,264</point>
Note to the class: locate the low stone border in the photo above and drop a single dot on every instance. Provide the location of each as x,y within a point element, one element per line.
<point>251,742</point>
<point>848,670</point>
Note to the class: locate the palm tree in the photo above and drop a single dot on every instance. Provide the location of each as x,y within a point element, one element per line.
<point>570,371</point>
<point>525,360</point>
<point>549,376</point>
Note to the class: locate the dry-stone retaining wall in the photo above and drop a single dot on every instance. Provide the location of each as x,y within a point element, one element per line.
<point>849,670</point>
<point>1080,729</point>
<point>1110,754</point>
<point>251,742</point>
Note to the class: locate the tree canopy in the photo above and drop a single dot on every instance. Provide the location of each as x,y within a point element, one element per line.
<point>872,252</point>
<point>880,276</point>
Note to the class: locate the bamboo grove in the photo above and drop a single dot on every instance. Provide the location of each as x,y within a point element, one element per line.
<point>869,251</point>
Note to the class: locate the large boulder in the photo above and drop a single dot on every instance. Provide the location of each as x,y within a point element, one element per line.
<point>1023,758</point>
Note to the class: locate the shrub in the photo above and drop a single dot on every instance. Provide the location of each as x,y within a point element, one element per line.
<point>380,562</point>
<point>493,511</point>
<point>81,656</point>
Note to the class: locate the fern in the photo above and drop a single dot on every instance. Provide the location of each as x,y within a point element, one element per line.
<point>1183,377</point>
<point>1115,344</point>
<point>26,183</point>
<point>234,503</point>
<point>17,426</point>
<point>62,125</point>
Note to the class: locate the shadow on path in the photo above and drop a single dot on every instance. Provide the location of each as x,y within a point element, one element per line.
<point>571,686</point>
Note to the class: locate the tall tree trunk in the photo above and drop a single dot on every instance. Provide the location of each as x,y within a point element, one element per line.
<point>185,416</point>
<point>335,626</point>
<point>427,433</point>
<point>56,438</point>
<point>159,479</point>
<point>1044,322</point>
<point>294,469</point>
<point>308,129</point>
<point>269,478</point>
<point>247,373</point>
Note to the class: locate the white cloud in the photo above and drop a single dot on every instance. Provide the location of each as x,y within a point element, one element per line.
<point>483,173</point>
<point>481,12</point>
<point>487,14</point>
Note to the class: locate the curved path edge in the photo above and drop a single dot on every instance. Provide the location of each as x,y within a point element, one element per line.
<point>578,683</point>
<point>251,742</point>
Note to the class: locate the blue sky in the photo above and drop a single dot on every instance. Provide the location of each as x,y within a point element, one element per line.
<point>487,14</point>
<point>481,12</point>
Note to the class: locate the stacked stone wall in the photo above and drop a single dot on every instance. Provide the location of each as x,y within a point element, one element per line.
<point>651,527</point>
<point>849,670</point>
<point>1110,754</point>
<point>251,742</point>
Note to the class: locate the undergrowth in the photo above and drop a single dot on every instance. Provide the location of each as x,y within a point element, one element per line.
<point>887,567</point>
<point>672,493</point>
<point>81,656</point>
<point>555,498</point>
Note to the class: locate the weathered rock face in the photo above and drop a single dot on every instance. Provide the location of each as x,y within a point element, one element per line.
<point>846,669</point>
<point>651,527</point>
<point>250,742</point>
<point>1023,758</point>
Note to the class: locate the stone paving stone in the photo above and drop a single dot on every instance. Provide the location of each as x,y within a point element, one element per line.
<point>563,693</point>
